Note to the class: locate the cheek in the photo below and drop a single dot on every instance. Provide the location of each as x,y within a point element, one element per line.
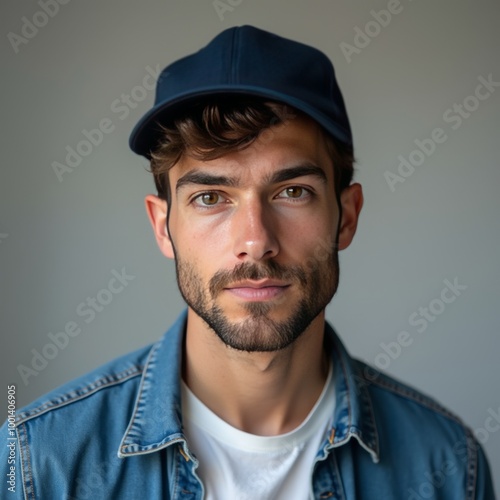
<point>207,241</point>
<point>206,248</point>
<point>200,252</point>
<point>193,238</point>
<point>309,238</point>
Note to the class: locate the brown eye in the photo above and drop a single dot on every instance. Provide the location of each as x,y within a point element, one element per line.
<point>294,192</point>
<point>209,198</point>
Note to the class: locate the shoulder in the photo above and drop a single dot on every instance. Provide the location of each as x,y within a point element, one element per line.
<point>416,425</point>
<point>386,387</point>
<point>405,406</point>
<point>408,419</point>
<point>83,418</point>
<point>119,375</point>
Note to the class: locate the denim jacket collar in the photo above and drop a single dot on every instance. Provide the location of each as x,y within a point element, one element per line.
<point>354,418</point>
<point>157,419</point>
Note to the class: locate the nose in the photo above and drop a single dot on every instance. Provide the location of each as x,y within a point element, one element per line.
<point>254,232</point>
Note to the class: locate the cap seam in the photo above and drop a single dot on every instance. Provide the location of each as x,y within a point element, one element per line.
<point>231,71</point>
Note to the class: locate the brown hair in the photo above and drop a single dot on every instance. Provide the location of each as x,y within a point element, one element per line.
<point>211,129</point>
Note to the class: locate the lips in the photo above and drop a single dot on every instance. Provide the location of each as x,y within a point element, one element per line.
<point>257,290</point>
<point>257,284</point>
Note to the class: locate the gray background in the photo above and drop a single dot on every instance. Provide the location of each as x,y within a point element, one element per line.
<point>60,240</point>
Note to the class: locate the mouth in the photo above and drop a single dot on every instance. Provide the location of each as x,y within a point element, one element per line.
<point>258,290</point>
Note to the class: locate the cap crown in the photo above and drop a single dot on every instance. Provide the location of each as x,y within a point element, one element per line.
<point>250,61</point>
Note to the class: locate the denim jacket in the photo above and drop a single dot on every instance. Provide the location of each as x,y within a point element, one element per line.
<point>116,433</point>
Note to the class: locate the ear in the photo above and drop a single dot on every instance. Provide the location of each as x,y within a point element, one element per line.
<point>156,208</point>
<point>351,199</point>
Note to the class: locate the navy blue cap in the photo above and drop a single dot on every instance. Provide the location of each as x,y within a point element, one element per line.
<point>248,60</point>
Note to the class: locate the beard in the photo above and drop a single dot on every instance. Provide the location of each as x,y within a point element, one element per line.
<point>317,282</point>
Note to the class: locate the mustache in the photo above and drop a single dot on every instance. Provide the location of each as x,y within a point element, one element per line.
<point>248,271</point>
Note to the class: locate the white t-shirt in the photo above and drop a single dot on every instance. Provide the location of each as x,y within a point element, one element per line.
<point>236,465</point>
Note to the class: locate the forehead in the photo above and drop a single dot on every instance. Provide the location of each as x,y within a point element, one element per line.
<point>298,140</point>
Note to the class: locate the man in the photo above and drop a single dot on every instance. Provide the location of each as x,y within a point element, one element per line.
<point>250,394</point>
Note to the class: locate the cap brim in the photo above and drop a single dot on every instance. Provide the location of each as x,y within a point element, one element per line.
<point>147,132</point>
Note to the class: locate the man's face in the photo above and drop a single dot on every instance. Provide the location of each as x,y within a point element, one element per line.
<point>254,235</point>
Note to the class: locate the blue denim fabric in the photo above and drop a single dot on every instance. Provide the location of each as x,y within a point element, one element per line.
<point>116,433</point>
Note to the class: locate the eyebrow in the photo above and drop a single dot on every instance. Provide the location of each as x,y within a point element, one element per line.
<point>299,171</point>
<point>206,179</point>
<point>286,174</point>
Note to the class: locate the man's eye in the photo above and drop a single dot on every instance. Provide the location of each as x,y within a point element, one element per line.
<point>295,192</point>
<point>208,199</point>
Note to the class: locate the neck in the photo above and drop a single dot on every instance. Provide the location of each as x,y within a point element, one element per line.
<point>263,393</point>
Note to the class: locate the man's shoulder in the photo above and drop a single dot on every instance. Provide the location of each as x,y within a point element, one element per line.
<point>385,400</point>
<point>68,441</point>
<point>416,430</point>
<point>384,385</point>
<point>120,374</point>
<point>401,408</point>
